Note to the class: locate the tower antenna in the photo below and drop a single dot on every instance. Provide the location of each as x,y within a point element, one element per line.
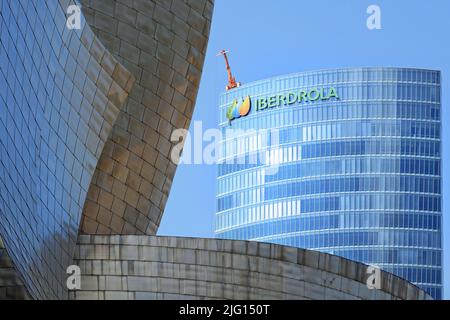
<point>231,80</point>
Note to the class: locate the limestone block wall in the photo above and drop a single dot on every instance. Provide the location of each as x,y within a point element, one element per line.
<point>146,267</point>
<point>11,286</point>
<point>163,43</point>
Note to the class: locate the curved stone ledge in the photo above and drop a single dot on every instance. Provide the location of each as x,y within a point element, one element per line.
<point>61,94</point>
<point>147,267</point>
<point>163,43</point>
<point>11,286</point>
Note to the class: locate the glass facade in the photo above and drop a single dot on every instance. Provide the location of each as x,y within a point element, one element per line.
<point>358,176</point>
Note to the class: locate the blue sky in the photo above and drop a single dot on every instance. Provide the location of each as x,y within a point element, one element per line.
<point>273,37</point>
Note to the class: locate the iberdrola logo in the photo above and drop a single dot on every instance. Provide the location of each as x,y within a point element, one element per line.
<point>235,111</point>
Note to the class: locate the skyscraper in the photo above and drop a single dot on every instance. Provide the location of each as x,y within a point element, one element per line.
<point>358,167</point>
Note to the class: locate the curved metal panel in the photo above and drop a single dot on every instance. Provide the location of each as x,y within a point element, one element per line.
<point>163,44</point>
<point>60,94</point>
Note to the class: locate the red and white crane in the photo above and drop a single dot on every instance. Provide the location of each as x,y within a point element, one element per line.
<point>231,80</point>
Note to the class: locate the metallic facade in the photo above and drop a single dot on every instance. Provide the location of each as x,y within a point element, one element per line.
<point>60,94</point>
<point>163,43</point>
<point>358,176</point>
<point>87,114</point>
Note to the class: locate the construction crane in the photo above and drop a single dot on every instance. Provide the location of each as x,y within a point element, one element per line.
<point>231,80</point>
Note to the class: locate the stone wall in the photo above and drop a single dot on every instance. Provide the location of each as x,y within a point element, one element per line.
<point>143,267</point>
<point>11,286</point>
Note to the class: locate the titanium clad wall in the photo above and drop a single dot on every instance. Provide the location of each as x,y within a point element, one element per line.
<point>163,43</point>
<point>60,94</point>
